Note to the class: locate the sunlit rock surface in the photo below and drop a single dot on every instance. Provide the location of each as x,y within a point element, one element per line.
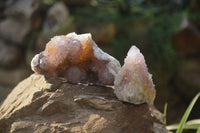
<point>133,83</point>
<point>76,58</point>
<point>36,106</point>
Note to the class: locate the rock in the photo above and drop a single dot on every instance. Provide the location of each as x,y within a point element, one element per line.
<point>14,30</point>
<point>9,55</point>
<point>32,107</point>
<point>97,102</point>
<point>56,15</point>
<point>133,83</point>
<point>22,126</point>
<point>76,58</point>
<point>187,39</point>
<point>22,9</point>
<point>21,19</point>
<point>159,128</point>
<point>103,34</point>
<point>57,18</point>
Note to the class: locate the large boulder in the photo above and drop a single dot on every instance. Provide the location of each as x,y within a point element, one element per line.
<point>38,105</point>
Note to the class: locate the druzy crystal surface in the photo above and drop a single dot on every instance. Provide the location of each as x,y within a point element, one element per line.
<point>133,83</point>
<point>78,59</point>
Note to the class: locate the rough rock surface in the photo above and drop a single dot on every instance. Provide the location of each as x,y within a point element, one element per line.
<point>133,83</point>
<point>76,58</point>
<point>36,105</point>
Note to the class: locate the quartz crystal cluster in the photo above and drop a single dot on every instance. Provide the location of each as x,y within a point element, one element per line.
<point>77,59</point>
<point>133,83</point>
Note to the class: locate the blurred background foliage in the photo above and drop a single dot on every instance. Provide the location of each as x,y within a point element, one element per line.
<point>167,33</point>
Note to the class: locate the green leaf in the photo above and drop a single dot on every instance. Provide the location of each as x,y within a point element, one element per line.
<point>186,114</point>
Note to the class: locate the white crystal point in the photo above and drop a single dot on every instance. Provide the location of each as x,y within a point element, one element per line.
<point>133,83</point>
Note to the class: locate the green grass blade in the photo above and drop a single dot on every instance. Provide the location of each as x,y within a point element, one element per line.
<point>172,127</point>
<point>198,131</point>
<point>192,124</point>
<point>165,114</point>
<point>186,114</point>
<point>187,126</point>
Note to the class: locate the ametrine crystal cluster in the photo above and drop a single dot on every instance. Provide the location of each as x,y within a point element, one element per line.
<point>78,59</point>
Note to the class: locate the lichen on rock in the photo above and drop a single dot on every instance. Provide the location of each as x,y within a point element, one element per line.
<point>133,83</point>
<point>78,59</point>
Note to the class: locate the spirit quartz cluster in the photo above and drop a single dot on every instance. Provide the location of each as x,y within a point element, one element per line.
<point>78,59</point>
